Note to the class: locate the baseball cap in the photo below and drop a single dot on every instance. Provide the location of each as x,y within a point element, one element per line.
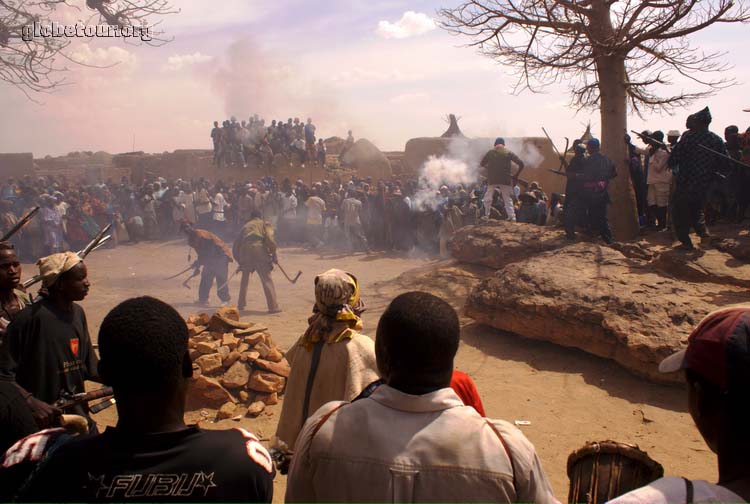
<point>718,349</point>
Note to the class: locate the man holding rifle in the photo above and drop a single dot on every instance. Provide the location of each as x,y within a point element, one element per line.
<point>47,349</point>
<point>697,157</point>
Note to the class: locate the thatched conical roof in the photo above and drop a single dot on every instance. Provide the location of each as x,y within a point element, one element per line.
<point>453,129</point>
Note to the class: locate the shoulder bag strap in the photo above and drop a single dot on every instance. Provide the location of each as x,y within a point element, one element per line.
<point>689,491</point>
<point>507,450</point>
<point>317,349</point>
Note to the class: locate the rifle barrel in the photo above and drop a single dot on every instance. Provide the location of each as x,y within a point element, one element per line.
<point>730,158</point>
<point>93,243</point>
<point>21,223</point>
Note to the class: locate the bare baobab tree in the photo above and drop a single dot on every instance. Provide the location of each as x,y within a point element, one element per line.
<point>615,55</point>
<point>37,64</point>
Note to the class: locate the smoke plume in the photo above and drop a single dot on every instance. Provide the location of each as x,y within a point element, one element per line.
<point>461,166</point>
<point>253,80</point>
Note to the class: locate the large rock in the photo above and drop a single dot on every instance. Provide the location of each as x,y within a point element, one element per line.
<point>231,359</point>
<point>226,411</point>
<point>236,376</point>
<point>596,299</point>
<point>226,319</point>
<point>496,244</point>
<point>209,363</point>
<point>204,392</point>
<point>230,340</point>
<point>452,281</point>
<point>200,319</point>
<point>704,266</point>
<point>280,368</point>
<point>368,160</point>
<point>736,246</point>
<point>255,409</point>
<point>205,348</point>
<point>268,383</point>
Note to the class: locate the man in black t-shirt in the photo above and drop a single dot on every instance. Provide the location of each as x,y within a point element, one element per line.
<point>152,455</point>
<point>47,349</point>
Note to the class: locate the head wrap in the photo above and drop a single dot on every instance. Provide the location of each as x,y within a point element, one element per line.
<point>336,310</point>
<point>53,266</point>
<point>593,143</point>
<point>703,117</point>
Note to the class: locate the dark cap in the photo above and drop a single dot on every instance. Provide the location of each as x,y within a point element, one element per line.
<point>718,349</point>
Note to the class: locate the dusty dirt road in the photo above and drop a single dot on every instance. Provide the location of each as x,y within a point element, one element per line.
<point>568,396</point>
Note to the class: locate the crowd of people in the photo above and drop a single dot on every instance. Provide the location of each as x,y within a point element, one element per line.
<point>345,392</point>
<point>679,182</point>
<point>358,214</point>
<point>388,420</point>
<point>691,179</point>
<point>239,143</point>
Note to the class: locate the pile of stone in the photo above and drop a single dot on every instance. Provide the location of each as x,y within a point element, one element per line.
<point>237,368</point>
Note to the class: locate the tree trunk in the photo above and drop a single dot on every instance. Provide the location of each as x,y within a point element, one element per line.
<point>623,213</point>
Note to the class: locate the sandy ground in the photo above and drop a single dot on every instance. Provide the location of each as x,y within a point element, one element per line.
<point>569,397</point>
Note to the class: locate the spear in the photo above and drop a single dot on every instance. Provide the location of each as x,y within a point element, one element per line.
<point>562,158</point>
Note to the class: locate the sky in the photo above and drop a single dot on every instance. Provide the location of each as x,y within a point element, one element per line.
<point>382,69</point>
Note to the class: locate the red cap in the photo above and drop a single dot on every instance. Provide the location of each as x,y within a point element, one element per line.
<point>718,349</point>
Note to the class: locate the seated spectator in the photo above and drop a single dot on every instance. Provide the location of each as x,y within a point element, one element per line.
<point>413,439</point>
<point>152,455</point>
<point>529,210</point>
<point>717,370</point>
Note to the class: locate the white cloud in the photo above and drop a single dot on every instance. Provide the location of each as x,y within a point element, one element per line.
<point>411,24</point>
<point>104,57</point>
<point>180,61</point>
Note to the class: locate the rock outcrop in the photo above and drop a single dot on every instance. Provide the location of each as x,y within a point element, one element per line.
<point>738,246</point>
<point>499,243</point>
<point>633,302</point>
<point>594,298</point>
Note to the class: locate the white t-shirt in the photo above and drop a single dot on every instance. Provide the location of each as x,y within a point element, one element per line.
<point>674,491</point>
<point>288,206</point>
<point>350,209</point>
<point>219,204</point>
<point>315,209</point>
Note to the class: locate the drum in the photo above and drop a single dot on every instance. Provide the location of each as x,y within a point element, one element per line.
<point>601,471</point>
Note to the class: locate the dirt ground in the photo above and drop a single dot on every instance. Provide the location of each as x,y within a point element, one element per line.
<point>568,396</point>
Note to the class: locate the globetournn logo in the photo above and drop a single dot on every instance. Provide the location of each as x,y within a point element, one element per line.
<point>54,29</point>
